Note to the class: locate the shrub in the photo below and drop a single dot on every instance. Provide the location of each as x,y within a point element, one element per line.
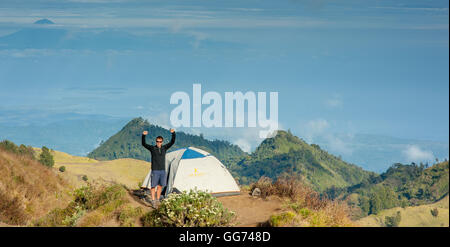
<point>127,216</point>
<point>434,212</point>
<point>96,202</point>
<point>61,216</point>
<point>393,221</point>
<point>265,185</point>
<point>85,178</point>
<point>46,158</point>
<point>306,207</point>
<point>288,186</point>
<point>62,169</point>
<point>192,209</point>
<point>92,197</point>
<point>12,210</point>
<point>11,147</point>
<point>282,219</point>
<point>101,202</point>
<point>291,187</point>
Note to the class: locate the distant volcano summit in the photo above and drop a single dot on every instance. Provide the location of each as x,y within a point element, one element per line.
<point>44,21</point>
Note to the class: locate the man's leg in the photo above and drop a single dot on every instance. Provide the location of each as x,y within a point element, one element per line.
<point>154,183</point>
<point>162,183</point>
<point>153,193</point>
<point>158,192</point>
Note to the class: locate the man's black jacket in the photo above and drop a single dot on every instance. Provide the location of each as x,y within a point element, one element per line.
<point>158,154</point>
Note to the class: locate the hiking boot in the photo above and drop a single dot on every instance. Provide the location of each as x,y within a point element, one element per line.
<point>146,192</point>
<point>148,199</point>
<point>153,202</point>
<point>139,193</point>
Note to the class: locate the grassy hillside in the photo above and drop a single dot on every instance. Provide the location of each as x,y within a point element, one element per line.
<point>401,185</point>
<point>127,143</point>
<point>286,153</point>
<point>415,216</point>
<point>28,189</point>
<point>61,157</point>
<point>129,172</point>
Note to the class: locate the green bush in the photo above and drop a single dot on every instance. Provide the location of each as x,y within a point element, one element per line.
<point>435,212</point>
<point>46,158</point>
<point>265,185</point>
<point>68,216</point>
<point>91,197</point>
<point>10,146</point>
<point>282,219</point>
<point>393,221</point>
<point>85,178</point>
<point>128,215</point>
<point>191,209</point>
<point>105,199</point>
<point>62,168</point>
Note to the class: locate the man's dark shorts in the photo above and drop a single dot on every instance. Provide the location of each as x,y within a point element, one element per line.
<point>158,177</point>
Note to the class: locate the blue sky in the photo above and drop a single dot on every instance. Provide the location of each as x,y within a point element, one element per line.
<point>375,67</point>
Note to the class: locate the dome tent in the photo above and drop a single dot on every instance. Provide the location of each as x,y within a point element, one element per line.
<point>193,168</point>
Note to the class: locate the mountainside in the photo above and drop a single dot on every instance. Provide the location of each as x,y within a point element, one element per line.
<point>286,153</point>
<point>414,216</point>
<point>28,189</point>
<point>127,143</point>
<point>401,185</point>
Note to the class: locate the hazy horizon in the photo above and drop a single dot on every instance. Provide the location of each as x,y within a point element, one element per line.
<point>340,68</point>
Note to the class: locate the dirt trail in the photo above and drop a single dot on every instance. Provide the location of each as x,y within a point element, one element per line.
<point>251,211</point>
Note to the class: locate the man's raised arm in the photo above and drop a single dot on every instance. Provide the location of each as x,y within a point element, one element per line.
<point>172,140</point>
<point>144,134</point>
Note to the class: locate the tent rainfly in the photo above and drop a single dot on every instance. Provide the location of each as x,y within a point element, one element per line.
<point>193,168</point>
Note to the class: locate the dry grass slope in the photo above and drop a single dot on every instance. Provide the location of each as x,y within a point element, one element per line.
<point>129,172</point>
<point>28,189</point>
<point>417,216</point>
<point>301,205</point>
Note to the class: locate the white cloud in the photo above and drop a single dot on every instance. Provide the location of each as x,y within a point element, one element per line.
<point>314,128</point>
<point>338,145</point>
<point>334,101</point>
<point>417,9</point>
<point>319,130</point>
<point>244,144</point>
<point>161,119</point>
<point>414,153</point>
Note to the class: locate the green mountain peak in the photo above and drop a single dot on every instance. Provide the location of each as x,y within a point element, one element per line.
<point>127,143</point>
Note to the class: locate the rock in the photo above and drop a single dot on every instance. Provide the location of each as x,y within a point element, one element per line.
<point>256,192</point>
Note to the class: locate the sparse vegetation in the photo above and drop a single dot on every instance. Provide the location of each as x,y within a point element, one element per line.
<point>304,206</point>
<point>27,189</point>
<point>92,205</point>
<point>435,212</point>
<point>400,186</point>
<point>412,216</point>
<point>24,151</point>
<point>191,209</point>
<point>393,221</point>
<point>127,217</point>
